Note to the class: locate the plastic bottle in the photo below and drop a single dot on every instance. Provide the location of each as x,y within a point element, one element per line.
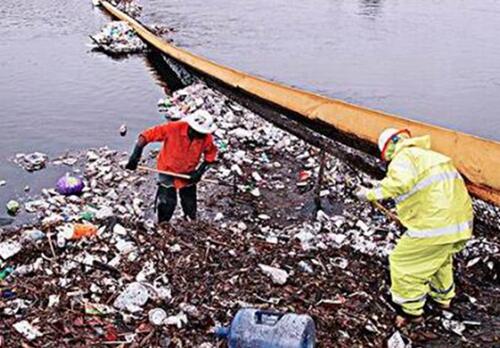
<point>87,216</point>
<point>6,272</point>
<point>252,328</point>
<point>83,230</point>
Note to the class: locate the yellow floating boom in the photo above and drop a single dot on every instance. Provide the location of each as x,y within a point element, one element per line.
<point>476,158</point>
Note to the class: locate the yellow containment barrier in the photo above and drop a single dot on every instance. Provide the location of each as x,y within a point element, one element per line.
<point>476,158</point>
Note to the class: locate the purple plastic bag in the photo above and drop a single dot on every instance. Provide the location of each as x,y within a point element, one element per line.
<point>69,185</point>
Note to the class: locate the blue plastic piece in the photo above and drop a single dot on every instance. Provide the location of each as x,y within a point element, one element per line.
<point>253,328</point>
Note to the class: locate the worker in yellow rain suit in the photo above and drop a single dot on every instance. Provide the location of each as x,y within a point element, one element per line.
<point>434,206</point>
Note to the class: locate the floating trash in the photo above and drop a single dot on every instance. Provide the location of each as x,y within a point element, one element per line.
<point>31,162</point>
<point>69,185</point>
<point>118,37</point>
<point>13,207</point>
<point>123,130</point>
<point>130,7</point>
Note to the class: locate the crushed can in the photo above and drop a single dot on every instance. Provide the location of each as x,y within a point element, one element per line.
<point>253,328</point>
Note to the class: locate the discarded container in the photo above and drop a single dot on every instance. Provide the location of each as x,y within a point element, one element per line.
<point>6,272</point>
<point>13,207</point>
<point>87,216</point>
<point>34,235</point>
<point>157,316</point>
<point>83,230</point>
<point>252,328</point>
<point>132,298</point>
<point>69,185</point>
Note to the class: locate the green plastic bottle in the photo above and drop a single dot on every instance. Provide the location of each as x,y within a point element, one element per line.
<point>6,272</point>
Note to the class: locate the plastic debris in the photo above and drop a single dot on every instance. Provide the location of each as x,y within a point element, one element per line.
<point>13,207</point>
<point>340,262</point>
<point>7,294</point>
<point>277,275</point>
<point>123,130</point>
<point>132,8</point>
<point>53,300</point>
<point>6,272</point>
<point>27,330</point>
<point>9,249</point>
<point>177,320</point>
<point>255,328</point>
<point>82,230</point>
<point>205,270</point>
<point>69,185</point>
<point>132,298</point>
<point>157,316</point>
<point>454,326</point>
<point>32,162</point>
<point>118,37</point>
<point>396,341</point>
<point>98,309</point>
<point>306,267</point>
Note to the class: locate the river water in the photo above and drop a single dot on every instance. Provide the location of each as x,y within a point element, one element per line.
<point>435,61</point>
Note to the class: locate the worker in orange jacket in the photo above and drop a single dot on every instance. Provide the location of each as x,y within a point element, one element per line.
<point>184,144</point>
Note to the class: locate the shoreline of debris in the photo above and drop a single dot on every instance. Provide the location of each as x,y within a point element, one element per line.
<point>261,241</point>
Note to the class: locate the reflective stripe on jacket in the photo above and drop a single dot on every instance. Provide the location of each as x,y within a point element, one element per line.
<point>431,198</point>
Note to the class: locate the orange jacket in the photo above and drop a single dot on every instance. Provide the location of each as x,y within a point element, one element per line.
<point>179,153</point>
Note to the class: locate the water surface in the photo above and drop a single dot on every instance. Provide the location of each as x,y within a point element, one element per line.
<point>435,61</point>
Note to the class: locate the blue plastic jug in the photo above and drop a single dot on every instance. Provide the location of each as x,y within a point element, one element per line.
<point>253,328</point>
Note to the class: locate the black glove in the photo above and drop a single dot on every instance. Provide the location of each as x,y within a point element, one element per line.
<point>198,173</point>
<point>135,157</point>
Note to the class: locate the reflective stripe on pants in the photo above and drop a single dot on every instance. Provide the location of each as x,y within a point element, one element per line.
<point>414,266</point>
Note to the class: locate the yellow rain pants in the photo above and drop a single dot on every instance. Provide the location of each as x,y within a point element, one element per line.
<point>418,269</point>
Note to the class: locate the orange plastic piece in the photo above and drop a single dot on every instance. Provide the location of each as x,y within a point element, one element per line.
<point>83,230</point>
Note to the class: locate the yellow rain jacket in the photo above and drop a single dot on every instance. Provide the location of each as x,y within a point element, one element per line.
<point>431,198</point>
<point>433,204</point>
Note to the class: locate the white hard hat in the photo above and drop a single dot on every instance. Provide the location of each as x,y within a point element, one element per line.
<point>202,122</point>
<point>387,135</point>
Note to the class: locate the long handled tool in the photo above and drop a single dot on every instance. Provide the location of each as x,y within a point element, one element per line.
<point>178,175</point>
<point>376,204</point>
<point>387,212</point>
<point>152,170</point>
